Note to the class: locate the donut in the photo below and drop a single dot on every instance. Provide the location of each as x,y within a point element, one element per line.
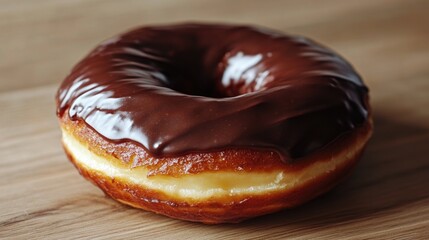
<point>213,123</point>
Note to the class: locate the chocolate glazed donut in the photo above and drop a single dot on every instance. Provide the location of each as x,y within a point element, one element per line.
<point>184,100</point>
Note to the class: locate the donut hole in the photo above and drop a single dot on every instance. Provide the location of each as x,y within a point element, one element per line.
<point>234,74</point>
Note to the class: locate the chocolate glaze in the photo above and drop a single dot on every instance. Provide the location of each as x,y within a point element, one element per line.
<point>201,88</point>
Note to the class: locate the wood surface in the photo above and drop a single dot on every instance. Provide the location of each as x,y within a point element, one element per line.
<point>43,197</point>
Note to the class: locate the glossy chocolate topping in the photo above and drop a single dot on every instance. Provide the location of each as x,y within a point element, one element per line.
<point>201,88</point>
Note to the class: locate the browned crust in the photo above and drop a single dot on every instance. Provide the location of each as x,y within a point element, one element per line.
<point>229,209</point>
<point>132,155</point>
<point>222,208</point>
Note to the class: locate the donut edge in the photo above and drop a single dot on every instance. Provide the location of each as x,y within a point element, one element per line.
<point>237,208</point>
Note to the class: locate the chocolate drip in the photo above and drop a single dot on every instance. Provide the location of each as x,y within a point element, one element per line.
<point>201,88</point>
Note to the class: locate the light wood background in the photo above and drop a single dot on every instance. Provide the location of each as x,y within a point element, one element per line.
<point>43,197</point>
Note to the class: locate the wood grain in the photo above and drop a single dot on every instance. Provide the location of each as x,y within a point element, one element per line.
<point>43,197</point>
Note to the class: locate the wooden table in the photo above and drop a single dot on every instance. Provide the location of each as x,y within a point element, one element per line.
<point>43,197</point>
